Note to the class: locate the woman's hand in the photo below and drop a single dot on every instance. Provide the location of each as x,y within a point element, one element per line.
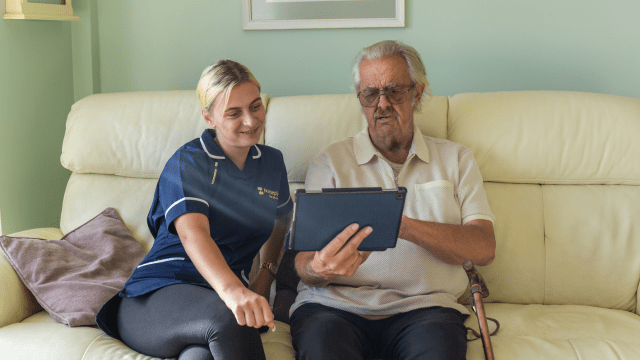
<point>261,284</point>
<point>249,308</point>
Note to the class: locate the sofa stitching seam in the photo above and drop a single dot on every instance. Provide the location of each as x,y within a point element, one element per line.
<point>591,181</point>
<point>544,242</point>
<point>574,348</point>
<point>88,347</point>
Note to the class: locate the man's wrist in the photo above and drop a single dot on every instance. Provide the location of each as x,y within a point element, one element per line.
<point>404,227</point>
<point>315,278</point>
<point>303,266</point>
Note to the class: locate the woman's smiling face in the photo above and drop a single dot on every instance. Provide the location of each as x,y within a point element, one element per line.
<point>240,124</point>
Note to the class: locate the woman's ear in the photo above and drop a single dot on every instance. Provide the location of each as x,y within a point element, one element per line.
<point>208,118</point>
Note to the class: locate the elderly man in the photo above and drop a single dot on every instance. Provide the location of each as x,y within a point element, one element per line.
<point>399,303</point>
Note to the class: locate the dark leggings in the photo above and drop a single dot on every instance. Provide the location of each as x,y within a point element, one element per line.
<point>187,322</point>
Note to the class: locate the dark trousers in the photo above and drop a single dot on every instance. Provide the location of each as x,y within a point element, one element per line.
<point>321,332</point>
<point>186,321</point>
<point>286,286</point>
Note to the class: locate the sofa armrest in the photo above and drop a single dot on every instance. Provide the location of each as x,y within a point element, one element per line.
<point>17,302</point>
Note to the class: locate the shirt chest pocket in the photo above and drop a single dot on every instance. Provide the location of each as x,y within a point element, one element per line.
<point>437,201</point>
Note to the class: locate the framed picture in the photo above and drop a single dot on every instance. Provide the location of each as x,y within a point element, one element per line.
<point>321,14</point>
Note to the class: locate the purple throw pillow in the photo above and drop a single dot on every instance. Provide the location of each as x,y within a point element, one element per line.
<point>74,276</point>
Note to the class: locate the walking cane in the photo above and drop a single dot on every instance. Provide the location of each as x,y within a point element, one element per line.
<point>478,291</point>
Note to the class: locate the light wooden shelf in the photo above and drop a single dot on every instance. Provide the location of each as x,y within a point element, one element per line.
<point>26,10</point>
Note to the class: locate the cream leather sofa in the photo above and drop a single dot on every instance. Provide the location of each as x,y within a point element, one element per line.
<point>561,171</point>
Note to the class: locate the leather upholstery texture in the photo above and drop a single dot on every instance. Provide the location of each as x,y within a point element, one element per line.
<point>560,170</point>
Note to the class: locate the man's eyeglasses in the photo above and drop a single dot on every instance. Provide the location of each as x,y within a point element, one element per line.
<point>396,94</point>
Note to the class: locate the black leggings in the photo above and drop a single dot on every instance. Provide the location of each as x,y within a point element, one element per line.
<point>188,322</point>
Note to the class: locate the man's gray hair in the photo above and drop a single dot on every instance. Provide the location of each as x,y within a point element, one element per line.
<point>389,48</point>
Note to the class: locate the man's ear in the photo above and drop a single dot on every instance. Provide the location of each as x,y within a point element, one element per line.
<point>419,92</point>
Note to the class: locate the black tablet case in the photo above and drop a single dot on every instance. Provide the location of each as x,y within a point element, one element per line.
<point>321,215</point>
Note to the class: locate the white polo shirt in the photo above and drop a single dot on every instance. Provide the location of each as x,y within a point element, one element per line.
<point>443,185</point>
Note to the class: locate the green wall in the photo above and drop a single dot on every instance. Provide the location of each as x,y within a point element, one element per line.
<point>133,45</point>
<point>36,93</point>
<point>467,45</point>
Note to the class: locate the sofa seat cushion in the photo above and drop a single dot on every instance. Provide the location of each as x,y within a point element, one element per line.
<point>564,331</point>
<point>277,346</point>
<point>41,337</point>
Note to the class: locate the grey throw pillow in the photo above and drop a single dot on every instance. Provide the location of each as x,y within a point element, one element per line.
<point>74,276</point>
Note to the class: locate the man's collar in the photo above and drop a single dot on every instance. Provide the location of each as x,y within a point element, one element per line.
<point>419,146</point>
<point>365,151</point>
<point>363,147</point>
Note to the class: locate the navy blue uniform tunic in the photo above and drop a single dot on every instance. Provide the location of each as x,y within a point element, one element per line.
<point>241,207</point>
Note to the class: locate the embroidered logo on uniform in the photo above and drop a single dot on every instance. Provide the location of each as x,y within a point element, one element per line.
<point>272,194</point>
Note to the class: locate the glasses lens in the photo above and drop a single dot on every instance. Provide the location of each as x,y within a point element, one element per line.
<point>369,96</point>
<point>395,95</point>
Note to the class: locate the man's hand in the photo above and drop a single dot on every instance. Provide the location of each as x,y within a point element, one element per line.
<point>339,258</point>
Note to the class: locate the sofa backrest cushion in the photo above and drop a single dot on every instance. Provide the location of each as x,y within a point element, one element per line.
<point>549,137</point>
<point>561,172</point>
<point>130,196</point>
<point>130,134</point>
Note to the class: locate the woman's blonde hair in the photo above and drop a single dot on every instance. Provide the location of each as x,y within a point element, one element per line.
<point>221,77</point>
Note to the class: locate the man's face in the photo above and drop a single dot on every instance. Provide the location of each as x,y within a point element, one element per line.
<point>390,126</point>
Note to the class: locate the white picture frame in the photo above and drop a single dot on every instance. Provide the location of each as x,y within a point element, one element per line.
<point>251,22</point>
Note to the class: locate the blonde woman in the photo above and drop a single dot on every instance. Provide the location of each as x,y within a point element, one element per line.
<point>220,199</point>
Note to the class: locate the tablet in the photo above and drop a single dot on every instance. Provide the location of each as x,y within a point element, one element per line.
<point>318,216</point>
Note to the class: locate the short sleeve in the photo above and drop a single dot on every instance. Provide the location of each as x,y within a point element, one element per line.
<point>181,186</point>
<point>285,204</point>
<point>471,194</point>
<point>320,174</point>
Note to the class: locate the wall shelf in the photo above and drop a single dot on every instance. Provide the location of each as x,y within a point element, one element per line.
<point>38,10</point>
